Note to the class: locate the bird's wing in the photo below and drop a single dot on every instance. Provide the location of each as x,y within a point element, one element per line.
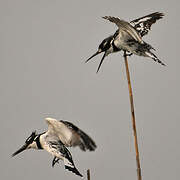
<point>143,24</point>
<point>125,26</point>
<point>84,141</point>
<point>51,128</point>
<point>70,134</point>
<point>60,130</point>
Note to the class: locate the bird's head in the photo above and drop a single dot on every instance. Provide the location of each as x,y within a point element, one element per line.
<point>29,143</point>
<point>105,46</point>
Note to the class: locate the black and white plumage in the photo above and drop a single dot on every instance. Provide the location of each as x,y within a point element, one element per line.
<point>107,46</point>
<point>143,24</point>
<point>52,145</point>
<point>128,37</point>
<point>60,134</point>
<point>71,136</point>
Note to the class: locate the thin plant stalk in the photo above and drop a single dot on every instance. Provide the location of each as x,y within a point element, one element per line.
<point>133,118</point>
<point>88,174</point>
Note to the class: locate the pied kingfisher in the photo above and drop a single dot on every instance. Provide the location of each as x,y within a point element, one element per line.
<point>128,37</point>
<point>60,134</point>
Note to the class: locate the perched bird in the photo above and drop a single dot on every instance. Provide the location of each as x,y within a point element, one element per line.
<point>128,37</point>
<point>59,135</point>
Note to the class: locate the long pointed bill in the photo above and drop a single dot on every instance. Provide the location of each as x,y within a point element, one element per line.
<point>101,62</point>
<point>93,56</point>
<point>20,150</point>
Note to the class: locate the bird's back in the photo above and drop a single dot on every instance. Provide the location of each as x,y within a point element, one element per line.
<point>125,27</point>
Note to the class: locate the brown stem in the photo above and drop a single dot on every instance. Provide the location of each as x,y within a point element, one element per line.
<point>133,118</point>
<point>88,174</point>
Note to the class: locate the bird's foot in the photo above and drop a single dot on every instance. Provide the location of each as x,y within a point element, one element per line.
<point>127,54</point>
<point>130,54</point>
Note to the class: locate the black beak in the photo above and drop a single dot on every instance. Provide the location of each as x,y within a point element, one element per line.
<point>93,56</point>
<point>101,62</point>
<point>24,147</point>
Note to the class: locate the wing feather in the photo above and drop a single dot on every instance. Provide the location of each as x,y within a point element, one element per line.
<point>143,24</point>
<point>125,26</point>
<point>84,142</point>
<point>62,131</point>
<point>70,135</point>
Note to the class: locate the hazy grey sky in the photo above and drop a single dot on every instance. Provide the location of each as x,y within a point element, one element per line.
<point>43,47</point>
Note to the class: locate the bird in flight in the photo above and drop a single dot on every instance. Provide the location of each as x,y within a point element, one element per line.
<point>59,136</point>
<point>128,37</point>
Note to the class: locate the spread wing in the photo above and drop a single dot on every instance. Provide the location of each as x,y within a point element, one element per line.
<point>60,130</point>
<point>143,24</point>
<point>85,142</point>
<point>70,134</point>
<point>125,26</point>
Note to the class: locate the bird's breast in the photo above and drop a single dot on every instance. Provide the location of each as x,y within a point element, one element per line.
<point>120,40</point>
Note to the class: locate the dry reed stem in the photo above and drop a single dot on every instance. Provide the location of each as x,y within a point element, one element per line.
<point>88,174</point>
<point>133,118</point>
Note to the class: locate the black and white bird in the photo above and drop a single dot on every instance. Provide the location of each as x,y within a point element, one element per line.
<point>60,134</point>
<point>128,37</point>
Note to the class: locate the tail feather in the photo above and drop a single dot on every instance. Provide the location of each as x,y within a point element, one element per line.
<point>69,165</point>
<point>154,57</point>
<point>74,170</point>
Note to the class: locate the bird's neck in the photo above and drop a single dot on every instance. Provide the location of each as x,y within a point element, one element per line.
<point>38,143</point>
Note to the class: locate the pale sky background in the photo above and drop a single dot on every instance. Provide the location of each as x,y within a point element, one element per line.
<point>43,47</point>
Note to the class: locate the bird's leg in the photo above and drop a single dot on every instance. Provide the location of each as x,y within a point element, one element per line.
<point>55,160</point>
